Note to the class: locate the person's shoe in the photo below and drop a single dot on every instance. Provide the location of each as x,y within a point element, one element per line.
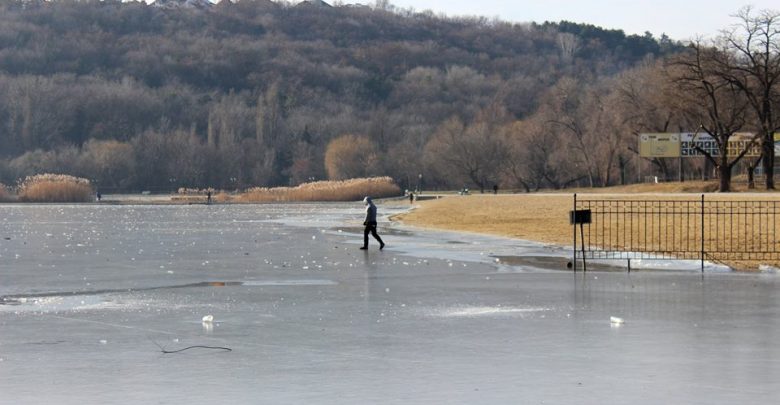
<point>382,246</point>
<point>363,247</point>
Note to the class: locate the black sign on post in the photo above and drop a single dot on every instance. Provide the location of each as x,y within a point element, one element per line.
<point>579,217</point>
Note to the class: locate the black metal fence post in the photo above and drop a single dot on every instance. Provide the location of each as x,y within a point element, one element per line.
<point>702,233</point>
<point>574,245</point>
<point>582,242</point>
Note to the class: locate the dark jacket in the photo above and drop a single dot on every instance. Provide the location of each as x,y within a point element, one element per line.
<point>370,212</point>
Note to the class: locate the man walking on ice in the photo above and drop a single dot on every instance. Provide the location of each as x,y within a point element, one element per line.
<point>370,224</point>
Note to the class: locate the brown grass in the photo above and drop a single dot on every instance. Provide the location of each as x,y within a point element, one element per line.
<point>540,217</point>
<point>666,187</point>
<point>545,217</point>
<point>343,190</point>
<point>55,188</point>
<point>696,186</point>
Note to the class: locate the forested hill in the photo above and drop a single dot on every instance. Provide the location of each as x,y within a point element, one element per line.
<point>186,93</point>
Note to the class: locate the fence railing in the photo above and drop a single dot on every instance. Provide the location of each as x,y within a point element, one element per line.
<point>670,229</point>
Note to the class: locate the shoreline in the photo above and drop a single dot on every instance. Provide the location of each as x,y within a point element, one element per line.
<point>541,218</point>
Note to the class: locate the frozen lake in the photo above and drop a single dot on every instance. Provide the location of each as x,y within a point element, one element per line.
<point>90,294</point>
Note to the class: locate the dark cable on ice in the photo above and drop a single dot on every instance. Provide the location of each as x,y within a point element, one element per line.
<point>162,349</point>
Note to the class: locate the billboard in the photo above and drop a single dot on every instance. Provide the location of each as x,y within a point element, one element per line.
<point>695,144</point>
<point>705,142</point>
<point>659,145</point>
<point>777,143</point>
<point>741,140</point>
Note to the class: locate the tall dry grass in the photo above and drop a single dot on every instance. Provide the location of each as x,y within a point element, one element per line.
<point>342,190</point>
<point>4,194</point>
<point>55,188</point>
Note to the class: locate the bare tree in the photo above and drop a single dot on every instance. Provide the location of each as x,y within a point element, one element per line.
<point>517,170</point>
<point>350,156</point>
<point>718,104</point>
<point>580,112</point>
<point>643,96</point>
<point>750,61</point>
<point>616,132</point>
<point>109,163</point>
<point>475,151</point>
<point>268,116</point>
<point>537,157</point>
<point>569,44</point>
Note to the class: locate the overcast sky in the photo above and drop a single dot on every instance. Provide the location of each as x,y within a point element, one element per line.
<point>679,19</point>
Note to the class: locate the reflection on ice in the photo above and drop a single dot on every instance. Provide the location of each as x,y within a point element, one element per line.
<point>640,263</point>
<point>466,312</point>
<point>57,303</point>
<point>260,283</point>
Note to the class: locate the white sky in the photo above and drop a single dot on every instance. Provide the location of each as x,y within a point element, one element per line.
<point>679,19</point>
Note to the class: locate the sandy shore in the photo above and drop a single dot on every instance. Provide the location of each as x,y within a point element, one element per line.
<point>538,217</point>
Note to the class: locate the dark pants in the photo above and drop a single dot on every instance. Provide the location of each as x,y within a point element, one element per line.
<point>371,228</point>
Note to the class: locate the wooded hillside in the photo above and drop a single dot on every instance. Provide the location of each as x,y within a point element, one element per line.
<point>253,93</point>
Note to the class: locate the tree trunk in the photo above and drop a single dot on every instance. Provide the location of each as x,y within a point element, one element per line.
<point>768,153</point>
<point>663,166</point>
<point>725,178</point>
<point>622,164</point>
<point>751,175</point>
<point>724,171</point>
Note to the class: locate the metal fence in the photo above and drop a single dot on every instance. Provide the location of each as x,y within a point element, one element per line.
<point>699,229</point>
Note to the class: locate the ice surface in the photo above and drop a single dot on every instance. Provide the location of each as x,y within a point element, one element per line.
<point>89,295</point>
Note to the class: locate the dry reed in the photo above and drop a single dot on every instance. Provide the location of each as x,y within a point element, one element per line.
<point>55,188</point>
<point>342,190</point>
<point>4,194</point>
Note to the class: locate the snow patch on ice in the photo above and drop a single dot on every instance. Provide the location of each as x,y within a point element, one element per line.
<point>767,269</point>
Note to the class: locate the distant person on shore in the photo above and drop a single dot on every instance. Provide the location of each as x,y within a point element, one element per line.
<point>99,196</point>
<point>411,197</point>
<point>370,224</point>
<point>208,197</point>
<point>495,188</point>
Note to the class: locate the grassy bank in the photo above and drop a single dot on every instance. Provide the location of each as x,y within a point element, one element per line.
<point>545,217</point>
